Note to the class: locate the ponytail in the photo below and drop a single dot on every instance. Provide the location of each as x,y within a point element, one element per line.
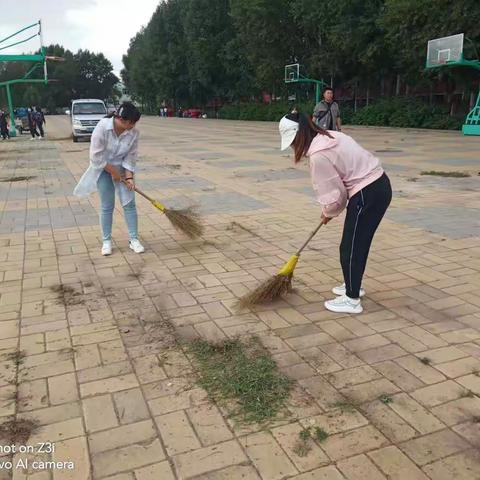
<point>307,131</point>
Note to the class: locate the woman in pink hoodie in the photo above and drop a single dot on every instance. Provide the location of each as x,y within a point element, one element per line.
<point>342,173</point>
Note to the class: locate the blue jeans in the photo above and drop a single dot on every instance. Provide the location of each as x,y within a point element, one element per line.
<point>106,189</point>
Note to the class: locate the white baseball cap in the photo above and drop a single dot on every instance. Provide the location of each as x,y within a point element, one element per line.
<point>288,131</point>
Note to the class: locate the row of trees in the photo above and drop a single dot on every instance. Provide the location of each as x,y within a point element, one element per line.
<point>192,51</point>
<point>82,75</point>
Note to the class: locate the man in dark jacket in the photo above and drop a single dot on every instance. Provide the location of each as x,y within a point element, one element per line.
<point>32,123</point>
<point>40,121</point>
<point>4,133</point>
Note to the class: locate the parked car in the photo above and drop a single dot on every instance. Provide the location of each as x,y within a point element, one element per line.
<point>85,114</point>
<point>192,113</point>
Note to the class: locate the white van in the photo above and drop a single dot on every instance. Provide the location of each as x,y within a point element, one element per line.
<point>85,114</point>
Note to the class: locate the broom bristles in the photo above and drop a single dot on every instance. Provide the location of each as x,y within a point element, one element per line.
<point>187,220</point>
<point>271,289</point>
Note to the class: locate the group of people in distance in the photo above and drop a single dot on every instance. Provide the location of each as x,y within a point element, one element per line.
<point>36,122</point>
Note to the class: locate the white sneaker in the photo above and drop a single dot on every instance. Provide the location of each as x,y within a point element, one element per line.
<point>136,246</point>
<point>33,138</point>
<point>107,247</point>
<point>344,304</point>
<point>341,290</point>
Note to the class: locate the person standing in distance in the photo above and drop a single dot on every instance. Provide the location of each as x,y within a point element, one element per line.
<point>326,113</point>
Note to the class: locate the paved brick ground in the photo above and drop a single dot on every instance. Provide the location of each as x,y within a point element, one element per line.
<point>102,376</point>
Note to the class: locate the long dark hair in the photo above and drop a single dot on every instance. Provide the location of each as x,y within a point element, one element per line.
<point>307,131</point>
<point>127,111</point>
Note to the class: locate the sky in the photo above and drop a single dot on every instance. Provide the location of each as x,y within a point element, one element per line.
<point>98,25</point>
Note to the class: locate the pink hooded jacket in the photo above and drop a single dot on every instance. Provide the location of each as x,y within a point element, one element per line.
<point>340,168</point>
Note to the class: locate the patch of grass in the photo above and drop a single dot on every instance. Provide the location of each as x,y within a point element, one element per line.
<point>320,434</point>
<point>244,373</point>
<point>305,434</point>
<point>426,361</point>
<point>17,430</point>
<point>386,399</point>
<point>445,174</point>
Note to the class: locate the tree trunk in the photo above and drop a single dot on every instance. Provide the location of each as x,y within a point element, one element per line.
<point>397,88</point>
<point>472,101</point>
<point>452,105</point>
<point>368,93</point>
<point>355,98</point>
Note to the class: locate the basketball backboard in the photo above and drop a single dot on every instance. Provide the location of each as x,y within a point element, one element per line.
<point>445,50</point>
<point>292,72</point>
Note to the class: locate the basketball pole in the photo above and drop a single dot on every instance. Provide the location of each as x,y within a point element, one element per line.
<point>319,84</point>
<point>38,59</point>
<point>438,48</point>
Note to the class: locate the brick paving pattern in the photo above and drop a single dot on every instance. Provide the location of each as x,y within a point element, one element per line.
<point>396,388</point>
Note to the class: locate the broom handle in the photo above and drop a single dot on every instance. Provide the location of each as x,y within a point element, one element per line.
<point>141,193</point>
<point>309,238</point>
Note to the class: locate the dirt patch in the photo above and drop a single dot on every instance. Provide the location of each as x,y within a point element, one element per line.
<point>171,167</point>
<point>14,150</point>
<point>59,139</point>
<point>211,243</point>
<point>446,174</point>
<point>136,275</point>
<point>17,179</point>
<point>16,357</point>
<point>18,430</point>
<point>67,295</point>
<point>159,329</point>
<point>235,226</point>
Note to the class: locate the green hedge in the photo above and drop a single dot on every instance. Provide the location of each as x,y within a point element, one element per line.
<point>385,112</point>
<point>405,112</point>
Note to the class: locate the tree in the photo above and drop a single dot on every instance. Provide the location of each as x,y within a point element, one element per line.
<point>84,74</point>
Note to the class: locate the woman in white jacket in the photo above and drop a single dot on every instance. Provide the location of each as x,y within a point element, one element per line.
<point>113,157</point>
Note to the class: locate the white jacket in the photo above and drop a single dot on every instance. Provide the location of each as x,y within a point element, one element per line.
<point>108,148</point>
